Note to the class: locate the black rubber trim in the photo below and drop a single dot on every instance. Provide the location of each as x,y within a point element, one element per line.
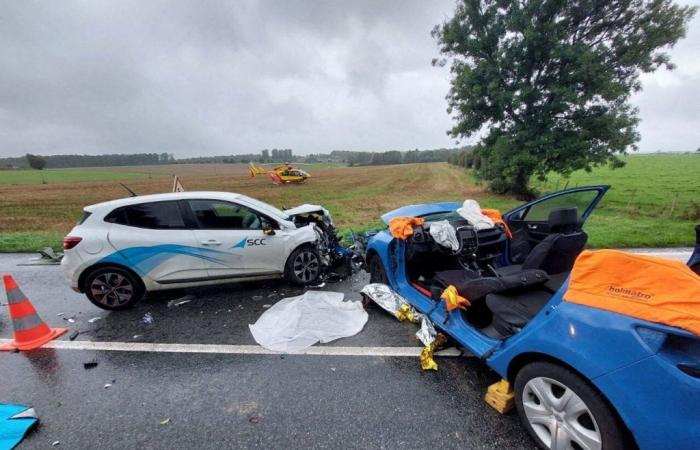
<point>220,277</point>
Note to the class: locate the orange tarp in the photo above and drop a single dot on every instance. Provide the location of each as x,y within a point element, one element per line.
<point>402,227</point>
<point>656,289</point>
<point>497,218</point>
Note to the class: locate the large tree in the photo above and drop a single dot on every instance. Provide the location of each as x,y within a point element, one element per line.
<point>548,82</point>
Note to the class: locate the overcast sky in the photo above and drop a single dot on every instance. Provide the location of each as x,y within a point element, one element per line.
<point>209,78</point>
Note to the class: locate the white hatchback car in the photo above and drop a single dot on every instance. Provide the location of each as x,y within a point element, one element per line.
<point>123,248</point>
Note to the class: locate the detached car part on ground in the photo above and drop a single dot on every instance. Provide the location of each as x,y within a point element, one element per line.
<point>581,374</point>
<point>124,248</point>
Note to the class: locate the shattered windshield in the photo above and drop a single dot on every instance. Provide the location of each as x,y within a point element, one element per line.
<point>443,215</point>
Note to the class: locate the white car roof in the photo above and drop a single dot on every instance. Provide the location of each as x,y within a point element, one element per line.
<point>213,195</point>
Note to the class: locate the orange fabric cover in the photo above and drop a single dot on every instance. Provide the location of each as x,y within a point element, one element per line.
<point>651,288</point>
<point>497,218</point>
<point>453,300</point>
<point>402,227</point>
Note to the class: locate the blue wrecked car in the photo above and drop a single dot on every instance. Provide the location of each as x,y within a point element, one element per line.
<point>580,377</point>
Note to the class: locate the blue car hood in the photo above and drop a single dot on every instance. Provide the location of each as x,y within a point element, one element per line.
<point>420,210</point>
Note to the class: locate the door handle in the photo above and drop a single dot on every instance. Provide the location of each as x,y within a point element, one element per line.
<point>211,242</point>
<point>531,226</point>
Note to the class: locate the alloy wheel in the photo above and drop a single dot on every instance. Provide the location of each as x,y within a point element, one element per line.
<point>559,417</point>
<point>112,289</point>
<point>306,266</point>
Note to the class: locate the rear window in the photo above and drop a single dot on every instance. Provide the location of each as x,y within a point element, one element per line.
<point>84,218</point>
<point>156,216</point>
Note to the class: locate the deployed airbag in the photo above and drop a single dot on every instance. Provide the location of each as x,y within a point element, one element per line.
<point>444,234</point>
<point>651,288</point>
<point>471,211</point>
<point>295,323</point>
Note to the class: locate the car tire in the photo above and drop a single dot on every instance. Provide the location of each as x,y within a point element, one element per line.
<point>113,288</point>
<point>377,274</point>
<point>553,421</point>
<point>303,266</point>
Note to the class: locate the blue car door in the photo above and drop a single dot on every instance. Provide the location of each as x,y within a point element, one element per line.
<point>528,222</point>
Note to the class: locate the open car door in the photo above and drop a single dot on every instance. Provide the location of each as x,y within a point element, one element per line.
<point>529,224</point>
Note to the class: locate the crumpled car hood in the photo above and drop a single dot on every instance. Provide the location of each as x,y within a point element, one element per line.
<point>420,210</point>
<point>305,209</point>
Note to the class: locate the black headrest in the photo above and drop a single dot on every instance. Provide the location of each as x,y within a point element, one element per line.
<point>563,218</point>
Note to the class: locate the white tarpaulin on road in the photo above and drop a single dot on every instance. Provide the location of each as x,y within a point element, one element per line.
<point>295,323</point>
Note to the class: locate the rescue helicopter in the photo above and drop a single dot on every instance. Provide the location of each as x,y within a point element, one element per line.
<point>281,174</point>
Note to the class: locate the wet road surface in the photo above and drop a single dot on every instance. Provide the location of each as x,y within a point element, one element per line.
<point>190,400</point>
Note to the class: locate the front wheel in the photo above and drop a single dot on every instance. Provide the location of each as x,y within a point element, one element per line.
<point>303,266</point>
<point>113,288</point>
<point>561,410</point>
<point>376,270</point>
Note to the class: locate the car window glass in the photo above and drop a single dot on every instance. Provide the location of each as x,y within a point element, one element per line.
<point>158,216</point>
<point>580,200</point>
<point>220,215</point>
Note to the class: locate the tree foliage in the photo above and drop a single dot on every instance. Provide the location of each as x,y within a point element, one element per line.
<point>548,82</point>
<point>36,162</point>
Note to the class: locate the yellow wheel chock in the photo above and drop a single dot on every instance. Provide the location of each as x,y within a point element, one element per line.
<point>500,396</point>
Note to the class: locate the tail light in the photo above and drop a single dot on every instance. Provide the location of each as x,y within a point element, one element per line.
<point>71,241</point>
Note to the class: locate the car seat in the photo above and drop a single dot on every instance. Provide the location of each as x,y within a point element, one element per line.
<point>558,251</point>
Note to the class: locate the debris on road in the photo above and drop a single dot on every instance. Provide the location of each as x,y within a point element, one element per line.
<point>165,421</point>
<point>147,319</point>
<point>180,301</point>
<point>395,304</point>
<point>94,319</point>
<point>295,323</point>
<point>257,297</point>
<point>266,305</point>
<point>55,443</point>
<point>90,365</point>
<point>254,419</point>
<point>47,257</point>
<point>74,335</point>
<point>15,422</point>
<point>108,385</point>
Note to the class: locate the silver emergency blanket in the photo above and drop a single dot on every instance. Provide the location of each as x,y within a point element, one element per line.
<point>296,323</point>
<point>444,234</point>
<point>395,304</point>
<point>471,211</point>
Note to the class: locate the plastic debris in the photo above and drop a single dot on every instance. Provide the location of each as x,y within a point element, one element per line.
<point>395,304</point>
<point>180,301</point>
<point>47,257</point>
<point>295,323</point>
<point>267,305</point>
<point>60,314</point>
<point>94,319</point>
<point>165,421</point>
<point>426,356</point>
<point>257,297</point>
<point>390,301</point>
<point>148,319</point>
<point>55,443</point>
<point>108,385</point>
<point>74,335</point>
<point>71,320</point>
<point>254,419</point>
<point>15,422</point>
<point>444,234</point>
<point>90,365</point>
<point>471,211</point>
<point>318,286</point>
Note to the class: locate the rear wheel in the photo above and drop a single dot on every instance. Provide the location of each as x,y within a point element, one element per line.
<point>561,410</point>
<point>376,270</point>
<point>303,266</point>
<point>113,288</point>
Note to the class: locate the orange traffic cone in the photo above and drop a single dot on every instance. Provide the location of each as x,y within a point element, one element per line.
<point>30,331</point>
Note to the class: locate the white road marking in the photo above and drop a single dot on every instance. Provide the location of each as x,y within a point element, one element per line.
<point>238,349</point>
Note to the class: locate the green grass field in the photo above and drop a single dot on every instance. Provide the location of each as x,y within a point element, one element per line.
<point>654,200</point>
<point>50,176</point>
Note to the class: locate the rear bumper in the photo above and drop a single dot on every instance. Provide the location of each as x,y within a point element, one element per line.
<point>72,266</point>
<point>659,403</point>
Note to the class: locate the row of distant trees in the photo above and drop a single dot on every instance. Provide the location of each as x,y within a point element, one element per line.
<point>352,158</point>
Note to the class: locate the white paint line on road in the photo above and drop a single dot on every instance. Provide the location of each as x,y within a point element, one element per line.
<point>238,349</point>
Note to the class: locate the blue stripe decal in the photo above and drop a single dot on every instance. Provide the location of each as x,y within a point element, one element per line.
<point>144,259</point>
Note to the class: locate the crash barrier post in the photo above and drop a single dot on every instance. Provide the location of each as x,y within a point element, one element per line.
<point>30,332</point>
<point>500,396</point>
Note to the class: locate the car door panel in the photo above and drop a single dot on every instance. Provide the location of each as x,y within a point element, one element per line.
<point>529,222</point>
<point>152,240</point>
<point>235,233</point>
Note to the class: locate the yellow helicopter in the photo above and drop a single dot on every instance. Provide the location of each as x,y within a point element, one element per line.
<point>282,174</point>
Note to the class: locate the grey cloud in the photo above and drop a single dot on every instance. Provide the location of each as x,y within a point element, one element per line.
<point>231,77</point>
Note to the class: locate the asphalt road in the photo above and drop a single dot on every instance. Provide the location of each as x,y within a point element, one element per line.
<point>193,400</point>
